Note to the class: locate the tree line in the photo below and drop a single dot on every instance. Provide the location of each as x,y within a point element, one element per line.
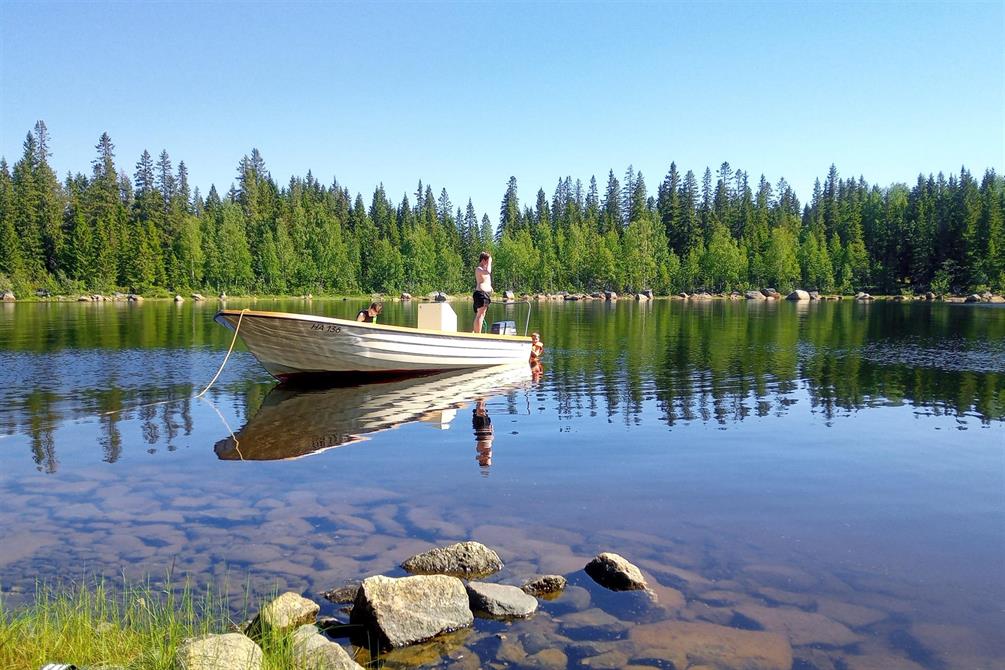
<point>153,232</point>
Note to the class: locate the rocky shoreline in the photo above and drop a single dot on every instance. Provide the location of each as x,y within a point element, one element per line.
<point>506,297</point>
<point>424,611</point>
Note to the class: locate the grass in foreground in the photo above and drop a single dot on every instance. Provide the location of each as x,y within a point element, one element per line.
<point>136,627</point>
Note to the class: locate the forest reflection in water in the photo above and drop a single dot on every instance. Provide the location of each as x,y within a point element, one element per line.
<point>712,362</point>
<point>795,470</point>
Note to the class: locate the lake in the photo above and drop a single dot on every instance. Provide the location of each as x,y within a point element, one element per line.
<point>832,473</point>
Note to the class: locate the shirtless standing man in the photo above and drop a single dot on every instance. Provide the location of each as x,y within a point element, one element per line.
<point>483,290</point>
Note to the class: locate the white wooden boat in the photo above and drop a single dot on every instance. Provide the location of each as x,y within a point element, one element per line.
<point>293,345</point>
<point>294,422</point>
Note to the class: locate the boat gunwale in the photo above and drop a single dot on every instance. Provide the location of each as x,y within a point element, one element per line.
<point>290,316</point>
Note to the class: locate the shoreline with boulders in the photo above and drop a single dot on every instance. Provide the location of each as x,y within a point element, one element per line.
<point>444,594</point>
<point>509,297</point>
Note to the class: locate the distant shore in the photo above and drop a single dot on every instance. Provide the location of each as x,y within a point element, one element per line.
<point>561,296</point>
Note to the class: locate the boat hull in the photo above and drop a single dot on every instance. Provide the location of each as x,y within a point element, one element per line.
<point>297,345</point>
<point>294,421</point>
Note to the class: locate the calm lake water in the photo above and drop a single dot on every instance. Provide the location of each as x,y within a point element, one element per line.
<point>830,473</point>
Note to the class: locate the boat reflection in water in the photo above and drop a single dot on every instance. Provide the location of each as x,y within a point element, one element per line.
<point>296,421</point>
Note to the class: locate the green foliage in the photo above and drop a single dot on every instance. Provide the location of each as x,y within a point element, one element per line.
<point>132,625</point>
<point>105,232</point>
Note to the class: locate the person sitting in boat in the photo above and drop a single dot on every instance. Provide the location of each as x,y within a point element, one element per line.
<point>536,348</point>
<point>483,290</point>
<point>369,315</point>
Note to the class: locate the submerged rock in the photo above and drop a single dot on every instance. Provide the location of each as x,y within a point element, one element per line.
<point>284,614</point>
<point>343,594</point>
<point>407,610</point>
<point>593,619</point>
<point>545,585</point>
<point>800,627</point>
<point>464,559</point>
<point>230,651</point>
<point>616,573</point>
<point>500,600</point>
<point>313,651</point>
<point>691,644</point>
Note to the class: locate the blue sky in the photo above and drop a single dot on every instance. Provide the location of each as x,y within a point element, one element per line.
<point>465,95</point>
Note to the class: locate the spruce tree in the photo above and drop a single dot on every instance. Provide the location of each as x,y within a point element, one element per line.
<point>509,210</point>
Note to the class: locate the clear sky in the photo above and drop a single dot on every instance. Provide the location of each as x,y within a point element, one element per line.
<point>464,95</point>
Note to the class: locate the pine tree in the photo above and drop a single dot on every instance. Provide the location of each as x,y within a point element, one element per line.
<point>509,210</point>
<point>11,264</point>
<point>611,215</point>
<point>49,217</point>
<point>28,202</point>
<point>669,207</point>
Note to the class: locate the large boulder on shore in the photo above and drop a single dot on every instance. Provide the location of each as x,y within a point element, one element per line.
<point>616,573</point>
<point>284,614</point>
<point>754,295</point>
<point>500,601</point>
<point>610,296</point>
<point>407,610</point>
<point>508,295</point>
<point>231,651</point>
<point>798,295</point>
<point>7,296</point>
<point>313,651</point>
<point>769,292</point>
<point>973,297</point>
<point>405,296</point>
<point>463,559</point>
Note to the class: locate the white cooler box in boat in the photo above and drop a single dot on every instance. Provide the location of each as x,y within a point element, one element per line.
<point>437,316</point>
<point>504,328</point>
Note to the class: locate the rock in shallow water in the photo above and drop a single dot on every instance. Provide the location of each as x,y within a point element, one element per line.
<point>544,586</point>
<point>464,559</point>
<point>800,627</point>
<point>407,610</point>
<point>284,614</point>
<point>343,594</point>
<point>313,651</point>
<point>616,573</point>
<point>689,644</point>
<point>500,600</point>
<point>230,651</point>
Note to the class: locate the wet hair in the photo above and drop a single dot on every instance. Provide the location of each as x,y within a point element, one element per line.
<point>377,305</point>
<point>483,256</point>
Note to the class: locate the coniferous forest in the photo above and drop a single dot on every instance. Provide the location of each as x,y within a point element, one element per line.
<point>152,232</point>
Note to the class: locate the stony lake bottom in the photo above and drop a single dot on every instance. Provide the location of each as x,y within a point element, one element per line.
<point>833,473</point>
